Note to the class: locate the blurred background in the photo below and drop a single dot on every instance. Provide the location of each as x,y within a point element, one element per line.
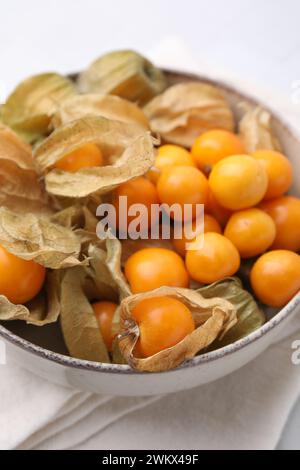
<point>254,41</point>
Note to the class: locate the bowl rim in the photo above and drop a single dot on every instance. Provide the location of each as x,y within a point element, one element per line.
<point>274,322</point>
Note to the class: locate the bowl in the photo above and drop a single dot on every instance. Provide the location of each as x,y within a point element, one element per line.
<point>42,351</point>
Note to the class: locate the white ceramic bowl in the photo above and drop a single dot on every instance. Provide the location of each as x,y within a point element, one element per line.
<point>42,351</point>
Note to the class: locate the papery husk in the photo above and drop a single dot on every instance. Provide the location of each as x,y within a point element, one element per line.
<point>249,316</point>
<point>33,237</point>
<point>124,73</point>
<point>108,106</point>
<point>186,110</point>
<point>42,310</point>
<point>78,322</point>
<point>127,150</point>
<point>20,188</point>
<point>213,318</point>
<point>76,216</point>
<point>30,107</point>
<point>255,129</point>
<point>105,267</point>
<point>102,280</point>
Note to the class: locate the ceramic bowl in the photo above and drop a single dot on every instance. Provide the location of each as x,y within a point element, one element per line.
<point>42,350</point>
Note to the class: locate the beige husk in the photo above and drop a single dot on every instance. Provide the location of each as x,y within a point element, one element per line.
<point>127,150</point>
<point>255,129</point>
<point>108,106</point>
<point>20,188</point>
<point>29,109</point>
<point>101,279</point>
<point>37,238</point>
<point>186,110</point>
<point>249,316</point>
<point>42,310</point>
<point>213,318</point>
<point>78,322</point>
<point>124,73</point>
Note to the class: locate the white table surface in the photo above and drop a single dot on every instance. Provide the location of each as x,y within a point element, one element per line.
<point>257,40</point>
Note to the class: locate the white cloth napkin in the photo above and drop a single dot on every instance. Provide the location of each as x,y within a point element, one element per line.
<point>246,410</point>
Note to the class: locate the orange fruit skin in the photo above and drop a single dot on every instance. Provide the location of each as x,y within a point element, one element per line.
<point>238,182</point>
<point>275,277</point>
<point>20,280</point>
<point>151,268</point>
<point>221,214</point>
<point>252,231</point>
<point>104,311</point>
<point>212,146</point>
<point>167,156</point>
<point>138,191</point>
<point>89,155</point>
<point>163,322</point>
<point>183,185</point>
<point>285,211</point>
<point>215,260</point>
<point>280,172</point>
<point>210,225</point>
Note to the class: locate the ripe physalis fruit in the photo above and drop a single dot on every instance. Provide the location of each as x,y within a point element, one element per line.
<point>183,185</point>
<point>219,212</point>
<point>163,322</point>
<point>162,328</point>
<point>212,146</point>
<point>238,182</point>
<point>167,156</point>
<point>252,231</point>
<point>137,191</point>
<point>104,311</point>
<point>285,211</point>
<point>210,225</point>
<point>211,257</point>
<point>279,169</point>
<point>89,155</point>
<point>20,280</point>
<point>151,268</point>
<point>275,277</point>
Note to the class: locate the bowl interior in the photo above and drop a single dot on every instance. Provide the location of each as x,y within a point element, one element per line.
<point>50,337</point>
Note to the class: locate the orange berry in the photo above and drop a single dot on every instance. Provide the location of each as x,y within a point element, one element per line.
<point>285,211</point>
<point>138,191</point>
<point>104,312</point>
<point>163,322</point>
<point>275,277</point>
<point>280,172</point>
<point>238,182</point>
<point>89,155</point>
<point>183,185</point>
<point>20,280</point>
<point>210,225</point>
<point>215,259</point>
<point>167,156</point>
<point>252,231</point>
<point>151,268</point>
<point>220,213</point>
<point>212,146</point>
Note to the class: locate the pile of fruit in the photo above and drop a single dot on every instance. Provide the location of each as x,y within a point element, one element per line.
<point>122,128</point>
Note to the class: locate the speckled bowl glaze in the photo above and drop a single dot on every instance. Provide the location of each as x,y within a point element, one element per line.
<point>42,351</point>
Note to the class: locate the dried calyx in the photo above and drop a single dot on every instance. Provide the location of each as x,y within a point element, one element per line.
<point>123,73</point>
<point>127,150</point>
<point>30,107</point>
<point>186,110</point>
<point>213,318</point>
